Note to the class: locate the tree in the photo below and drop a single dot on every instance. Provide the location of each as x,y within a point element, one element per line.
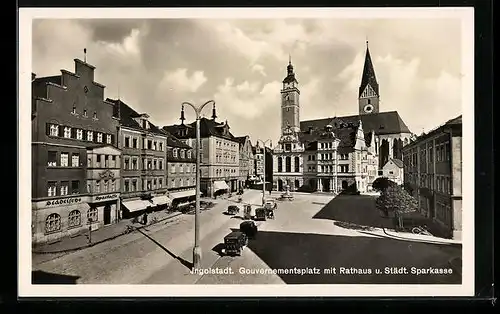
<point>396,199</point>
<point>382,183</point>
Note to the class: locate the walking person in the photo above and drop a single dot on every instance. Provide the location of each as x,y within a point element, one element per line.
<point>145,218</point>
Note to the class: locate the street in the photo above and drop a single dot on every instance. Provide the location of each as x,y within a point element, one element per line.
<point>313,234</point>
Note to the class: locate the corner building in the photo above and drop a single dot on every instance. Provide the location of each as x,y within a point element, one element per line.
<point>75,160</point>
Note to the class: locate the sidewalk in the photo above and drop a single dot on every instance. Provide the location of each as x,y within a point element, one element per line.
<point>106,233</point>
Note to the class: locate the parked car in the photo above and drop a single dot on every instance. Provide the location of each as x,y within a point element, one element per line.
<point>233,210</point>
<point>234,243</point>
<point>249,228</point>
<point>260,214</point>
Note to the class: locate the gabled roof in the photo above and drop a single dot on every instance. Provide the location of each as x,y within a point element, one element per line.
<point>382,123</point>
<point>346,135</point>
<point>173,141</point>
<point>368,76</point>
<point>127,115</point>
<point>208,127</point>
<point>242,139</point>
<point>397,162</point>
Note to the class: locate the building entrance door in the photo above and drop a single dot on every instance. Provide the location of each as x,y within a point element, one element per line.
<point>326,185</point>
<point>107,214</point>
<point>280,185</point>
<point>344,184</point>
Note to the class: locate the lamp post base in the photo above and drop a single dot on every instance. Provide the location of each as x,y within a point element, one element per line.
<point>196,257</point>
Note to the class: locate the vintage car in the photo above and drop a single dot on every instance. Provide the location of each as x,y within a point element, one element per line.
<point>260,213</point>
<point>234,243</point>
<point>270,204</point>
<point>249,228</point>
<point>233,210</point>
<point>247,214</point>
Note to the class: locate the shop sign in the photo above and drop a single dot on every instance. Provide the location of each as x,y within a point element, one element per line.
<point>107,197</point>
<point>64,201</point>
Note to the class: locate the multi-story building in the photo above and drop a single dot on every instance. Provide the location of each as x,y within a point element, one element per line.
<point>433,174</point>
<point>144,169</point>
<point>246,161</point>
<point>219,153</point>
<point>181,163</point>
<point>260,168</point>
<point>393,170</point>
<point>75,161</point>
<point>384,135</point>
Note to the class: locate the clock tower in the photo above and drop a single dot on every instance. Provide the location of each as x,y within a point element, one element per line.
<point>290,108</point>
<point>369,96</point>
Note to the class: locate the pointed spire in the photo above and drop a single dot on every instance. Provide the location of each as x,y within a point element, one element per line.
<point>368,77</point>
<point>289,68</point>
<point>289,59</point>
<point>214,113</point>
<point>85,55</point>
<point>182,115</point>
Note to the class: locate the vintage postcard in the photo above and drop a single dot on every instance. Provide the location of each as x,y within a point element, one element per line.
<point>246,152</point>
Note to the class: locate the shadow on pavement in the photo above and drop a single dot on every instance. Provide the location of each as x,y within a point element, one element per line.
<point>349,225</point>
<point>188,264</point>
<point>39,277</point>
<point>289,251</point>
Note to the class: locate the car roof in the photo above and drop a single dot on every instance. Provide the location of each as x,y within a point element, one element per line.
<point>234,234</point>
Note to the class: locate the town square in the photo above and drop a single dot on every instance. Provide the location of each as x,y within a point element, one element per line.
<point>251,152</point>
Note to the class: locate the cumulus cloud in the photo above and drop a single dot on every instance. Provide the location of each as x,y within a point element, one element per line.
<point>154,65</point>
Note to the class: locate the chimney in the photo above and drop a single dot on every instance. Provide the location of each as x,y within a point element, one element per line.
<point>83,69</point>
<point>33,77</point>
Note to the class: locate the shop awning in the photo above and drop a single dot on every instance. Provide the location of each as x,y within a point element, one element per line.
<point>161,200</point>
<point>137,205</point>
<point>220,185</point>
<point>181,194</point>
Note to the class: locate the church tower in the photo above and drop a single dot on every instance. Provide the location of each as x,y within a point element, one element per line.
<point>369,97</point>
<point>290,108</point>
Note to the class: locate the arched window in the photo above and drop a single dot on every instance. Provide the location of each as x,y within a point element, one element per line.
<point>74,218</point>
<point>92,215</point>
<point>53,223</point>
<point>288,164</point>
<point>297,164</point>
<point>280,164</point>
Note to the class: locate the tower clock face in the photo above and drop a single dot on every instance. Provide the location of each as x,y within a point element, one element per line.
<point>368,108</point>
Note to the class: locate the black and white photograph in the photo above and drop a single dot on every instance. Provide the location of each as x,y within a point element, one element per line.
<point>246,152</point>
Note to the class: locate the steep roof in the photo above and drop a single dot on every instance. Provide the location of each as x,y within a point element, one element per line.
<point>208,127</point>
<point>368,76</point>
<point>381,123</point>
<point>397,162</point>
<point>173,141</point>
<point>346,135</point>
<point>241,139</point>
<point>127,115</point>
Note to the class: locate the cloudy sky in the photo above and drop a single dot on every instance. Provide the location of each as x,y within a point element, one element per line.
<point>154,65</point>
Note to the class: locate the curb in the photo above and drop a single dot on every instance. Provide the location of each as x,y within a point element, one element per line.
<point>103,240</point>
<point>420,240</point>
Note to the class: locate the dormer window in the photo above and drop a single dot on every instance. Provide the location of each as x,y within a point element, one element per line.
<point>84,112</point>
<point>174,152</point>
<point>95,115</point>
<point>182,154</point>
<point>189,154</point>
<point>74,110</point>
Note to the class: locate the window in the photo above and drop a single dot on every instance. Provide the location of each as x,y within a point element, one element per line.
<point>99,137</point>
<point>75,160</point>
<point>344,168</point>
<point>126,163</point>
<point>79,134</point>
<point>134,185</point>
<point>51,188</point>
<point>181,168</point>
<point>194,168</point>
<point>155,164</point>
<point>172,169</point>
<point>84,112</point>
<point>92,215</point>
<point>160,182</point>
<point>95,115</point>
<point>53,223</point>
<point>174,152</point>
<point>127,141</point>
<point>98,186</point>
<point>150,144</point>
<point>74,218</point>
<point>134,143</point>
<point>180,182</point>
<point>108,138</point>
<point>288,164</point>
<point>67,132</point>
<point>64,159</point>
<point>154,183</point>
<point>52,159</point>
<point>54,130</point>
<point>182,154</point>
<point>134,163</point>
<point>126,186</point>
<point>149,164</point>
<point>173,183</point>
<point>154,145</point>
<point>74,110</point>
<point>447,152</point>
<point>98,160</point>
<point>160,164</point>
<point>280,164</point>
<point>75,187</point>
<point>297,164</point>
<point>161,146</point>
<point>90,136</point>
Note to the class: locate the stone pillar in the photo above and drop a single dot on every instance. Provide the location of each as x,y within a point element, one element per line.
<point>391,147</point>
<point>320,185</point>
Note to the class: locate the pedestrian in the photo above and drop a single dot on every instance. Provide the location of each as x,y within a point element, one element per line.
<point>269,192</point>
<point>145,218</point>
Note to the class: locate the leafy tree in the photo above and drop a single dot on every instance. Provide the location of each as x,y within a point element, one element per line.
<point>396,199</point>
<point>382,183</point>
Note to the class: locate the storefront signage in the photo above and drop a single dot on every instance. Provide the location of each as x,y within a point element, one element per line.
<point>107,197</point>
<point>64,201</point>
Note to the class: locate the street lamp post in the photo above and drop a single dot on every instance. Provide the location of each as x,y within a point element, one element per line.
<point>264,170</point>
<point>196,248</point>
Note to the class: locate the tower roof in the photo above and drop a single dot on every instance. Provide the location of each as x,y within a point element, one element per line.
<point>290,73</point>
<point>368,74</point>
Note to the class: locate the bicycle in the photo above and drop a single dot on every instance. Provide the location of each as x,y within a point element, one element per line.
<point>421,230</point>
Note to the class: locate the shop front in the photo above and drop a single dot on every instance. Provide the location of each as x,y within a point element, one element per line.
<point>55,219</point>
<point>161,202</point>
<point>107,206</point>
<point>135,207</point>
